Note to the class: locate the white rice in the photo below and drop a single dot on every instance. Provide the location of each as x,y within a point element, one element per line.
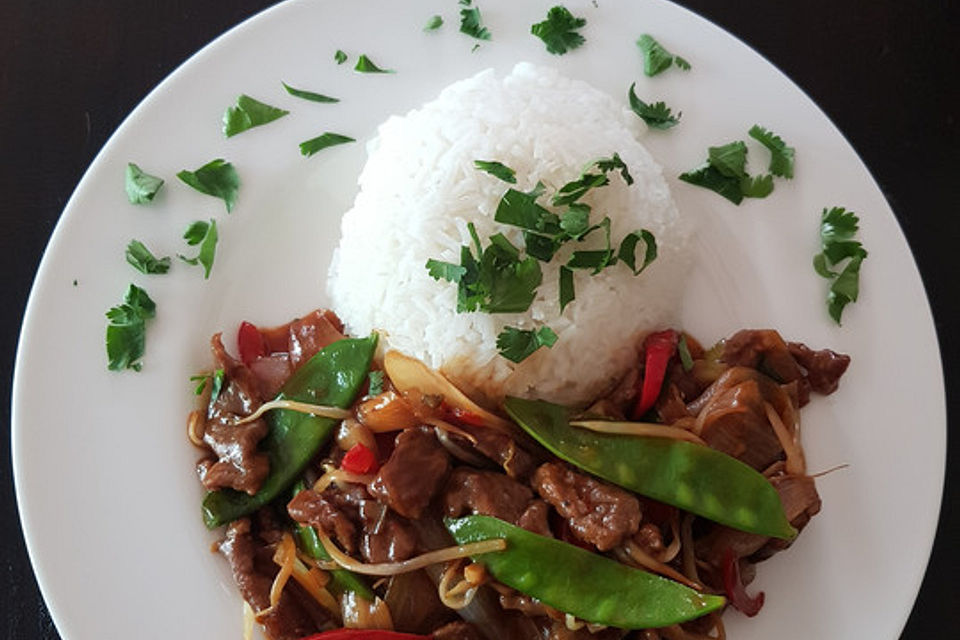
<point>419,189</point>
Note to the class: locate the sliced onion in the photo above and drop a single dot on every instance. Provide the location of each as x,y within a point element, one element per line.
<point>462,454</point>
<point>461,592</point>
<point>249,619</point>
<point>352,432</point>
<point>796,464</point>
<point>360,613</point>
<point>419,562</point>
<point>339,477</point>
<point>638,429</point>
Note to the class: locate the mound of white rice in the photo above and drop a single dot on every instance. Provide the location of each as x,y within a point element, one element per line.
<point>418,191</point>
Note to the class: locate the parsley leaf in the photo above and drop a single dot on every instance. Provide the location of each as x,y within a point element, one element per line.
<point>497,169</point>
<point>558,31</point>
<point>308,95</point>
<point>340,56</point>
<point>756,186</point>
<point>327,139</point>
<point>615,163</point>
<point>440,270</point>
<point>729,159</point>
<point>657,115</point>
<point>141,187</point>
<point>248,113</point>
<point>781,156</point>
<point>126,330</point>
<point>366,65</point>
<point>628,250</point>
<point>725,173</point>
<point>709,177</point>
<point>434,23</point>
<point>656,59</point>
<point>837,229</point>
<point>203,234</point>
<point>376,383</point>
<point>216,384</point>
<point>521,210</point>
<point>517,345</point>
<point>217,178</point>
<point>683,350</point>
<point>143,261</point>
<point>567,294</point>
<point>471,23</point>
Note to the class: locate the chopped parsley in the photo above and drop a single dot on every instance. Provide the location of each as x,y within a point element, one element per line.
<point>497,169</point>
<point>141,187</point>
<point>216,383</point>
<point>517,345</point>
<point>656,59</point>
<point>434,23</point>
<point>248,113</point>
<point>567,293</point>
<point>781,156</point>
<point>340,56</point>
<point>217,178</point>
<point>366,65</point>
<point>725,173</point>
<point>203,234</point>
<point>376,383</point>
<point>471,23</point>
<point>657,115</point>
<point>559,30</point>
<point>141,259</point>
<point>127,328</point>
<point>683,350</point>
<point>308,95</point>
<point>837,229</point>
<point>328,139</point>
<point>628,250</point>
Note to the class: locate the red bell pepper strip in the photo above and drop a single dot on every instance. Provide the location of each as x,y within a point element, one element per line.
<point>659,348</point>
<point>733,586</point>
<point>250,343</point>
<point>359,459</point>
<point>364,634</point>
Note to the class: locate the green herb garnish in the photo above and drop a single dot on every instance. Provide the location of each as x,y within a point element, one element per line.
<point>558,31</point>
<point>340,56</point>
<point>217,178</point>
<point>126,330</point>
<point>141,187</point>
<point>497,169</point>
<point>376,383</point>
<point>308,95</point>
<point>517,345</point>
<point>216,379</point>
<point>657,115</point>
<point>141,259</point>
<point>656,59</point>
<point>837,229</point>
<point>203,234</point>
<point>366,65</point>
<point>248,113</point>
<point>313,145</point>
<point>686,360</point>
<point>628,250</point>
<point>434,23</point>
<point>567,294</point>
<point>725,173</point>
<point>471,23</point>
<point>781,156</point>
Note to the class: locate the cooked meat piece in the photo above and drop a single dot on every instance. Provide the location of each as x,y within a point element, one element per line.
<point>598,513</point>
<point>671,406</point>
<point>764,350</point>
<point>823,368</point>
<point>386,536</point>
<point>327,512</point>
<point>799,497</point>
<point>310,334</point>
<point>491,493</point>
<point>413,474</point>
<point>294,616</point>
<point>649,538</point>
<point>457,631</point>
<point>737,424</point>
<point>535,518</point>
<point>504,450</point>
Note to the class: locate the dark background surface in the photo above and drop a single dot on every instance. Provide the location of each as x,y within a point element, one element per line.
<point>884,71</point>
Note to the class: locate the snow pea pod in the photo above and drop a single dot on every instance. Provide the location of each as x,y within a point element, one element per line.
<point>331,377</point>
<point>690,476</point>
<point>587,585</point>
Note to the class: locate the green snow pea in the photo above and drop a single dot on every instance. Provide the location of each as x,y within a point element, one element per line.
<point>587,585</point>
<point>332,377</point>
<point>690,476</point>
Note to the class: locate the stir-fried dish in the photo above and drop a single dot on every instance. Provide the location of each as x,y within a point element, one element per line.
<point>360,491</point>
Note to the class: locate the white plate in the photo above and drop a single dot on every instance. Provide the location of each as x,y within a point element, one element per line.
<point>108,497</point>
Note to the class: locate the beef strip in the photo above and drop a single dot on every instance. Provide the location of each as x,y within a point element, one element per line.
<point>502,449</point>
<point>823,368</point>
<point>413,474</point>
<point>491,493</point>
<point>598,513</point>
<point>386,536</point>
<point>457,631</point>
<point>329,513</point>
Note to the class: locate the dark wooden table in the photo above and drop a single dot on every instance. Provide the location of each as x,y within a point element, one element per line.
<point>885,71</point>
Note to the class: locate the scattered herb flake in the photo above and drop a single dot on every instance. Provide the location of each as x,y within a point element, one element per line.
<point>366,65</point>
<point>327,139</point>
<point>615,163</point>
<point>725,173</point>
<point>141,187</point>
<point>203,234</point>
<point>781,156</point>
<point>567,294</point>
<point>657,115</point>
<point>756,186</point>
<point>340,56</point>
<point>656,59</point>
<point>308,95</point>
<point>434,23</point>
<point>217,178</point>
<point>126,330</point>
<point>686,360</point>
<point>558,31</point>
<point>376,383</point>
<point>216,379</point>
<point>248,113</point>
<point>709,177</point>
<point>681,63</point>
<point>471,22</point>
<point>729,159</point>
<point>440,270</point>
<point>517,345</point>
<point>141,259</point>
<point>497,169</point>
<point>837,229</point>
<point>628,250</point>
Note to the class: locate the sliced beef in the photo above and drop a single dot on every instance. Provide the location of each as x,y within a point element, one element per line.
<point>504,450</point>
<point>413,474</point>
<point>491,493</point>
<point>386,536</point>
<point>823,368</point>
<point>457,631</point>
<point>598,513</point>
<point>328,512</point>
<point>737,424</point>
